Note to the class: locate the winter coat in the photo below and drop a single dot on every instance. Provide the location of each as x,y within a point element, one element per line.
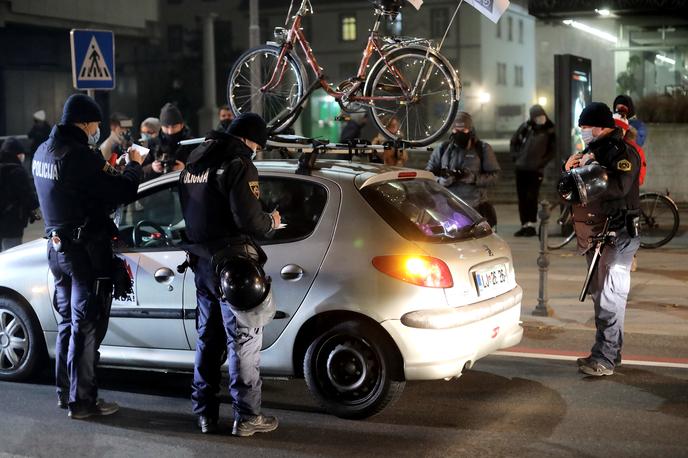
<point>18,198</point>
<point>166,147</point>
<point>478,164</point>
<point>533,146</point>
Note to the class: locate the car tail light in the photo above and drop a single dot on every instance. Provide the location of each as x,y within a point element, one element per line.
<point>407,175</point>
<point>418,270</point>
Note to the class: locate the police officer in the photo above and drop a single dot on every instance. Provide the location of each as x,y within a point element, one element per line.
<point>618,204</point>
<point>77,190</point>
<point>466,166</point>
<point>219,195</point>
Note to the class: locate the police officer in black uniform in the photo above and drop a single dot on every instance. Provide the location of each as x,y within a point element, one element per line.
<point>77,191</point>
<point>219,195</point>
<point>617,207</point>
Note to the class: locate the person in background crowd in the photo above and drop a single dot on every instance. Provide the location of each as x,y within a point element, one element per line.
<point>166,154</point>
<point>18,201</point>
<point>467,166</point>
<point>353,128</point>
<point>226,118</point>
<point>39,132</point>
<point>637,124</point>
<point>119,139</point>
<point>389,155</point>
<point>150,129</point>
<point>532,147</point>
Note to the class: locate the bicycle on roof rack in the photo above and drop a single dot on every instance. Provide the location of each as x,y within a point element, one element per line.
<point>410,82</point>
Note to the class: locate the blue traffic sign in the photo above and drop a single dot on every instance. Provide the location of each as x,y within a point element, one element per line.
<point>93,59</point>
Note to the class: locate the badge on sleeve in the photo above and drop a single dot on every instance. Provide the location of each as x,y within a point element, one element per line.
<point>624,165</point>
<point>255,189</point>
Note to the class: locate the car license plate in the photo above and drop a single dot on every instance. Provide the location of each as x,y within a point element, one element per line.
<point>492,279</point>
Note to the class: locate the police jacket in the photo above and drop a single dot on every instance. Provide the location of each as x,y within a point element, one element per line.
<point>17,198</point>
<point>622,164</point>
<point>478,164</point>
<point>533,146</point>
<point>167,148</point>
<point>76,186</point>
<point>219,193</point>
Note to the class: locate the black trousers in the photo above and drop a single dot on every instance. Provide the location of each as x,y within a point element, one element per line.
<point>528,189</point>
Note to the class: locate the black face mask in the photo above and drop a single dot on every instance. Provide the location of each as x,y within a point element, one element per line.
<point>461,139</point>
<point>225,123</point>
<point>174,138</point>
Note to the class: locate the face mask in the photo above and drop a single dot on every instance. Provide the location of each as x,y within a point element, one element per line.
<point>21,157</point>
<point>93,139</point>
<point>461,139</point>
<point>145,137</point>
<point>540,120</point>
<point>253,155</point>
<point>225,123</point>
<point>587,136</point>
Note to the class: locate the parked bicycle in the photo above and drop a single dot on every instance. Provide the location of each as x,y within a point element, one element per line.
<point>659,222</point>
<point>410,82</point>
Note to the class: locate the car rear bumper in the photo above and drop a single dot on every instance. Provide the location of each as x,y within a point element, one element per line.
<point>432,354</point>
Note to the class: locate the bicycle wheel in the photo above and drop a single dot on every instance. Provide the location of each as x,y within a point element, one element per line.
<point>659,220</point>
<point>563,232</point>
<point>253,71</point>
<point>424,117</point>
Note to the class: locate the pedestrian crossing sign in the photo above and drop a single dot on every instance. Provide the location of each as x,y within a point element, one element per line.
<point>93,59</point>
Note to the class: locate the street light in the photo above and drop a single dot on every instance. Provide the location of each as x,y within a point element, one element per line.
<point>591,30</point>
<point>542,101</point>
<point>604,12</point>
<point>484,97</point>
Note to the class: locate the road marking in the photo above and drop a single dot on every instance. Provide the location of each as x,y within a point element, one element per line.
<point>563,355</point>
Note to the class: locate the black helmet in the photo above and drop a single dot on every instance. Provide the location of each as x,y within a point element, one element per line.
<point>582,185</point>
<point>245,286</point>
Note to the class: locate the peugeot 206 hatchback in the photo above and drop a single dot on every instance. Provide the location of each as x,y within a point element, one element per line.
<point>380,276</point>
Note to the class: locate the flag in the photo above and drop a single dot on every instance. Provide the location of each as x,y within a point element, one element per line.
<point>416,3</point>
<point>492,9</point>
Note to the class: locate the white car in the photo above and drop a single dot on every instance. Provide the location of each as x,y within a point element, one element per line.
<point>380,276</point>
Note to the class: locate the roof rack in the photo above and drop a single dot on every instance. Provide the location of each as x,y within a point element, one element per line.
<point>311,149</point>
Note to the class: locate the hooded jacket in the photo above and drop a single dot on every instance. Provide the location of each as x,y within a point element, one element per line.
<point>533,146</point>
<point>166,147</point>
<point>219,192</point>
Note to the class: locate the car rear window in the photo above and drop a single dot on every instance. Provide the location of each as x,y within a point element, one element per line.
<point>422,210</point>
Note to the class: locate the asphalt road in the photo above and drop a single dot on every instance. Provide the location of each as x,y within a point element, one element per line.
<point>505,406</point>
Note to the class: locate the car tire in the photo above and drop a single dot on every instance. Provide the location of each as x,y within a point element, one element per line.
<point>349,370</point>
<point>22,346</point>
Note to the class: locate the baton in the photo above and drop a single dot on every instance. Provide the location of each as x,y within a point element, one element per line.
<point>601,241</point>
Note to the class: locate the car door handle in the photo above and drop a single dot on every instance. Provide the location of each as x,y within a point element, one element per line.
<point>164,275</point>
<point>291,272</point>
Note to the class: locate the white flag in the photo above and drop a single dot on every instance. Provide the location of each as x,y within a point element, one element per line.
<point>492,9</point>
<point>416,3</point>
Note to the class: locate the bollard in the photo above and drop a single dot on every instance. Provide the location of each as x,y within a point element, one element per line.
<point>542,308</point>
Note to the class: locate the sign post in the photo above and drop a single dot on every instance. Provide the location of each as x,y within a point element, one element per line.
<point>93,60</point>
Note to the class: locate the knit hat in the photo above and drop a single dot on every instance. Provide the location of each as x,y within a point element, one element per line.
<point>625,101</point>
<point>12,145</point>
<point>463,120</point>
<point>80,108</point>
<point>251,127</point>
<point>170,115</point>
<point>596,114</point>
<point>537,110</point>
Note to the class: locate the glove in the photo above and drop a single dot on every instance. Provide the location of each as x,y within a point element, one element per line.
<point>446,181</point>
<point>34,216</point>
<point>122,283</point>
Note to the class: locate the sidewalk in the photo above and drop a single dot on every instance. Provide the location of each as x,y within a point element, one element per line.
<point>658,301</point>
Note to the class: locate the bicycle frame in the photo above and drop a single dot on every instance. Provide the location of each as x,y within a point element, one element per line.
<point>374,44</point>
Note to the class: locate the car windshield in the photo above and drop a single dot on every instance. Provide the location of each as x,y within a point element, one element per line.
<point>422,210</point>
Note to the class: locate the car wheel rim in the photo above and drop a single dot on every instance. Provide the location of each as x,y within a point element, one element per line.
<point>14,342</point>
<point>350,370</point>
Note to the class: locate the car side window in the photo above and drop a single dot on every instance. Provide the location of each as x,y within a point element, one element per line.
<point>154,221</point>
<point>300,203</point>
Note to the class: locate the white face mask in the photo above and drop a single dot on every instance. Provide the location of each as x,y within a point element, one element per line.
<point>93,139</point>
<point>255,152</point>
<point>587,136</point>
<point>540,120</point>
